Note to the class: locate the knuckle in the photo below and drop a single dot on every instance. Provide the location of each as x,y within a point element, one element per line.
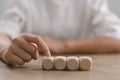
<point>11,48</point>
<point>16,40</point>
<point>37,38</point>
<point>23,34</point>
<point>31,52</point>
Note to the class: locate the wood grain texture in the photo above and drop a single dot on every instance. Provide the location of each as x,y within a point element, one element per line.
<point>105,67</point>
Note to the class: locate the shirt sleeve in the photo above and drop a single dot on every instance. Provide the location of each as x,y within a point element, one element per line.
<point>104,22</point>
<point>13,19</point>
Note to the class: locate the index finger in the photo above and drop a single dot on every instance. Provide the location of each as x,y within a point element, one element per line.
<point>40,43</point>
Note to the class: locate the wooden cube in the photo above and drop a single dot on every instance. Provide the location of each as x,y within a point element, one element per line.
<point>47,63</point>
<point>60,63</point>
<point>85,63</point>
<point>72,63</point>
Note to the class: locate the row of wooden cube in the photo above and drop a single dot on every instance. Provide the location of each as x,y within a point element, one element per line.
<point>67,63</point>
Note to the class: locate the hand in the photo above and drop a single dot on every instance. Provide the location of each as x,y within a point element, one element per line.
<point>55,46</point>
<point>24,48</point>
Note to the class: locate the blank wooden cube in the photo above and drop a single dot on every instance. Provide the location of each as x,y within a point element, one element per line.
<point>60,63</point>
<point>72,63</point>
<point>47,63</point>
<point>85,63</point>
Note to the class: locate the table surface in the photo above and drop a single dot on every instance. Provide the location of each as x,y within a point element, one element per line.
<point>105,67</point>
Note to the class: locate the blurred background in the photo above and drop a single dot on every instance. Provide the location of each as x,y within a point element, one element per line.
<point>114,5</point>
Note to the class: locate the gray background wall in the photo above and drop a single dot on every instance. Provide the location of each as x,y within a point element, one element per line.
<point>114,5</point>
<point>3,5</point>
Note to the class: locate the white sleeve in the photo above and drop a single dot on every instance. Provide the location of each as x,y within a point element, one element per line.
<point>13,19</point>
<point>104,22</point>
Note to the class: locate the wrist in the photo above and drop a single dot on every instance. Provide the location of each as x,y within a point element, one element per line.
<point>65,46</point>
<point>3,51</point>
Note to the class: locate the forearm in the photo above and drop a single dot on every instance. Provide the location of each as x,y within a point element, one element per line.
<point>94,45</point>
<point>4,42</point>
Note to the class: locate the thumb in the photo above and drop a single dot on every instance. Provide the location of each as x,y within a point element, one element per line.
<point>36,50</point>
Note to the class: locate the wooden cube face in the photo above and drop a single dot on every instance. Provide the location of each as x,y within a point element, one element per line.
<point>85,63</point>
<point>60,63</point>
<point>72,63</point>
<point>47,63</point>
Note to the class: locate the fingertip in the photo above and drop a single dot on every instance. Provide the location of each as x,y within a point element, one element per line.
<point>36,56</point>
<point>48,54</point>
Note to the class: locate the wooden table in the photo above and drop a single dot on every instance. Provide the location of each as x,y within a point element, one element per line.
<point>105,67</point>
